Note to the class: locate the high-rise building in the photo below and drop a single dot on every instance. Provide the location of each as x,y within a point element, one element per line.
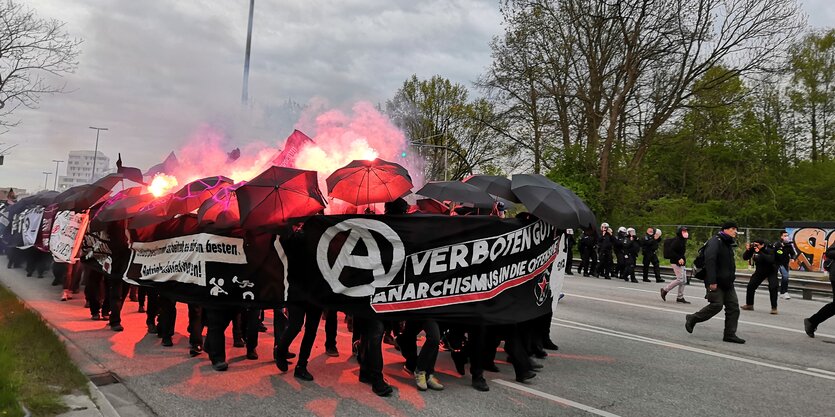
<point>80,167</point>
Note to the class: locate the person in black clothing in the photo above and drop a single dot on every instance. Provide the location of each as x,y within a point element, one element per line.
<point>422,365</point>
<point>631,250</point>
<point>649,247</point>
<point>783,253</point>
<point>766,268</point>
<point>811,324</point>
<point>620,242</point>
<point>678,248</point>
<point>569,260</point>
<point>588,254</point>
<point>720,273</point>
<point>604,251</point>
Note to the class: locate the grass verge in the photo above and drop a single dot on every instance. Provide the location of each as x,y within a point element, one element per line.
<point>35,368</point>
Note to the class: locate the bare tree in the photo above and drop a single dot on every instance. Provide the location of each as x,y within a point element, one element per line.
<point>32,52</point>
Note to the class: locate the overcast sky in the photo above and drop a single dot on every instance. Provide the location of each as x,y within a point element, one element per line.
<point>155,71</point>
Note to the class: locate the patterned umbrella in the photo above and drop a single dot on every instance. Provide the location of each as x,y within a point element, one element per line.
<point>279,194</point>
<point>364,182</point>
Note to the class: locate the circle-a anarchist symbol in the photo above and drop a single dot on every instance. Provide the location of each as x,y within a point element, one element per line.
<point>360,229</point>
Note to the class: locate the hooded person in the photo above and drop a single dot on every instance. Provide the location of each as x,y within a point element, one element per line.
<point>649,247</point>
<point>675,253</point>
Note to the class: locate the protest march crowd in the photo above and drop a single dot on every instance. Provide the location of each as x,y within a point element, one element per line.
<point>452,266</point>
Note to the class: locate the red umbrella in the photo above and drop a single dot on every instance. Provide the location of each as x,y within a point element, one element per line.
<point>277,195</point>
<point>221,209</point>
<point>428,205</point>
<point>364,182</point>
<point>155,211</point>
<point>193,194</point>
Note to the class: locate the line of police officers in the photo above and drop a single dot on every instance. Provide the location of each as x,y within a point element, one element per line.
<point>597,250</point>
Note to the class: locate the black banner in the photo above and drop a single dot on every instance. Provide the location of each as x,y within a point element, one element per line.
<point>465,268</point>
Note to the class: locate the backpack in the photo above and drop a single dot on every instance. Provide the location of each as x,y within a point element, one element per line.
<point>699,263</point>
<point>668,248</point>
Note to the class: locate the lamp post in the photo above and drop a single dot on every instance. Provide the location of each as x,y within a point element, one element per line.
<point>245,88</point>
<point>55,184</point>
<point>45,178</point>
<point>96,152</point>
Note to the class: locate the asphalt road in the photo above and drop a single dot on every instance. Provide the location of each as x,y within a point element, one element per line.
<point>623,352</point>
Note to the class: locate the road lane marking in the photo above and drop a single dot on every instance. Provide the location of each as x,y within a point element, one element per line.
<point>770,326</point>
<point>638,338</point>
<point>821,371</point>
<point>554,398</point>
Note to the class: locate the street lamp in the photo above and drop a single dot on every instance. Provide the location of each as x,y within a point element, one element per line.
<point>96,152</point>
<point>245,88</point>
<point>45,178</point>
<point>55,185</point>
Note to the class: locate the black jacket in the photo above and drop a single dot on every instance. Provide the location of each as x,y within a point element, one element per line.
<point>605,244</point>
<point>764,260</point>
<point>649,244</point>
<point>783,253</point>
<point>631,250</point>
<point>620,242</point>
<point>678,248</point>
<point>720,267</point>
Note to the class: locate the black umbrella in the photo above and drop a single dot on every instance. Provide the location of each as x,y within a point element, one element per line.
<point>455,191</point>
<point>552,202</point>
<point>83,197</point>
<point>277,195</point>
<point>44,198</point>
<point>496,185</point>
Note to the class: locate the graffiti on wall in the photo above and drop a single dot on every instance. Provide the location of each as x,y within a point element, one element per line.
<point>810,243</point>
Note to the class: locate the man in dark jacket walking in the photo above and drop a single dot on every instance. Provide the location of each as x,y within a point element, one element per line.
<point>811,324</point>
<point>720,273</point>
<point>763,257</point>
<point>678,247</point>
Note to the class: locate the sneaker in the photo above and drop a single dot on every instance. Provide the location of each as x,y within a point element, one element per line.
<point>774,311</point>
<point>281,363</point>
<point>786,296</point>
<point>535,365</point>
<point>663,294</point>
<point>433,383</point>
<point>682,300</point>
<point>689,324</point>
<point>549,345</point>
<point>540,354</point>
<point>381,388</point>
<point>809,327</point>
<point>167,342</point>
<point>220,366</point>
<point>646,280</point>
<point>460,360</point>
<point>420,380</point>
<point>480,384</point>
<point>95,317</point>
<point>661,280</point>
<point>332,352</point>
<point>239,343</point>
<point>733,339</point>
<point>152,329</point>
<point>116,327</point>
<point>748,307</point>
<point>252,355</point>
<point>301,373</point>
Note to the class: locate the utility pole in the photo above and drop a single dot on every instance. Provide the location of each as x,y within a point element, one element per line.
<point>55,185</point>
<point>245,90</point>
<point>96,152</point>
<point>45,178</point>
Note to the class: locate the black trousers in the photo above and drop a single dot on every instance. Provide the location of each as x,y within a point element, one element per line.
<point>298,314</point>
<point>250,320</point>
<point>330,329</point>
<point>370,348</point>
<point>651,260</point>
<point>588,262</point>
<point>117,291</point>
<point>279,326</point>
<point>217,320</point>
<point>604,266</point>
<point>628,270</point>
<point>754,283</point>
<point>828,310</point>
<point>407,340</point>
<point>569,260</point>
<point>152,311</point>
<point>95,291</point>
<point>721,298</point>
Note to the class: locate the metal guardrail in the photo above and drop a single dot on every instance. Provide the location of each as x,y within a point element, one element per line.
<point>806,286</point>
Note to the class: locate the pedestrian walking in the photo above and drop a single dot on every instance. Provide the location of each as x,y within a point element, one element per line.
<point>763,257</point>
<point>720,273</point>
<point>811,324</point>
<point>649,247</point>
<point>677,247</point>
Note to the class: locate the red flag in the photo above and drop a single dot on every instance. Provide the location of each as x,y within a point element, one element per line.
<point>292,146</point>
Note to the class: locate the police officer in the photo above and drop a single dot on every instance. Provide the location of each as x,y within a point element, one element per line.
<point>649,246</point>
<point>631,250</point>
<point>588,254</point>
<point>604,251</point>
<point>620,242</point>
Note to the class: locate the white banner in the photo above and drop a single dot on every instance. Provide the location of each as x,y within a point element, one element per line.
<point>67,234</point>
<point>183,259</point>
<point>31,226</point>
<point>558,272</point>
